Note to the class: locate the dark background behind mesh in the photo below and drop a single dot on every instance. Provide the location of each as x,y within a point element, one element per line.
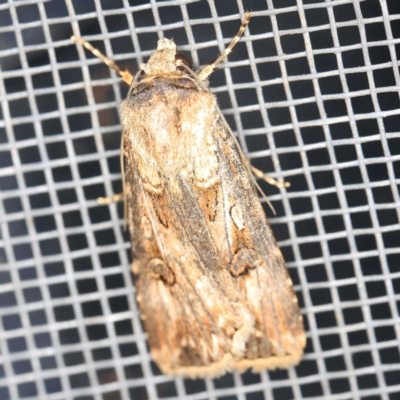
<point>312,93</point>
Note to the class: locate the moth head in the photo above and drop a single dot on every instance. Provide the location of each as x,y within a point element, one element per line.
<point>162,61</point>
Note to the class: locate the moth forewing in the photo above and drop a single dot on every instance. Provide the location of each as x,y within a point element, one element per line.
<point>212,286</point>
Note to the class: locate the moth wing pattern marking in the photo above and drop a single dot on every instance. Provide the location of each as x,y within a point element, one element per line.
<point>212,286</point>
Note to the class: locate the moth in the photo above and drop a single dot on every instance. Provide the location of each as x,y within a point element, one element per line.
<point>211,283</point>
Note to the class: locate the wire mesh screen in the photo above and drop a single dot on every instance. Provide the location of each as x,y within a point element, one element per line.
<point>312,94</point>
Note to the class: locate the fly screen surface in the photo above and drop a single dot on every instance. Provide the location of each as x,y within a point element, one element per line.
<point>312,94</point>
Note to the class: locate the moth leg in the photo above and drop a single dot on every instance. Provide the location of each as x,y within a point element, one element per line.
<point>259,174</point>
<point>112,199</point>
<point>209,69</point>
<point>125,75</point>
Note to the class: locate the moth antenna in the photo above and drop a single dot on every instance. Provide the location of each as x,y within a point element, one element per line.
<point>209,69</point>
<point>125,75</point>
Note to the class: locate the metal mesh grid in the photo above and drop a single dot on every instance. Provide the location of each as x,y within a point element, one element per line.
<point>312,94</point>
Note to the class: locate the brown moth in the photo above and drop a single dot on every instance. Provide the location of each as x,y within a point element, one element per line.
<point>211,283</point>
